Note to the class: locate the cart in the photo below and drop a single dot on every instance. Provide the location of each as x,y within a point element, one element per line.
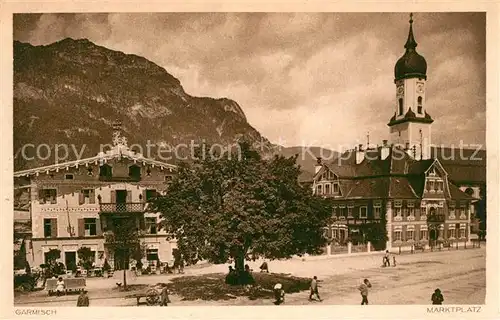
<point>151,295</point>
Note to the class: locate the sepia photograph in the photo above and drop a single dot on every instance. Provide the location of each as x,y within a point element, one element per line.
<point>191,159</point>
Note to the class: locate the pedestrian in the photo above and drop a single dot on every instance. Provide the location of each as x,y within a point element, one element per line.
<point>83,299</point>
<point>387,263</point>
<point>264,267</point>
<point>437,297</point>
<point>363,288</point>
<point>394,260</point>
<point>165,300</point>
<point>279,294</point>
<point>60,286</point>
<point>314,289</point>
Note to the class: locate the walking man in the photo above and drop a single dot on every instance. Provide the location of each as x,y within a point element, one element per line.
<point>314,289</point>
<point>363,288</point>
<point>387,263</point>
<point>83,299</point>
<point>164,297</point>
<point>437,297</point>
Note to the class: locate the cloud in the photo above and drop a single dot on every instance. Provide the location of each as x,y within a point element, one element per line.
<point>325,78</point>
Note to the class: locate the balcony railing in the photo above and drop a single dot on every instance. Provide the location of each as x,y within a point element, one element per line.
<point>122,207</point>
<point>436,218</point>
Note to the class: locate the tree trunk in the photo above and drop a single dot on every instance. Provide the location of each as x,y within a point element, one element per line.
<point>124,276</point>
<point>239,262</point>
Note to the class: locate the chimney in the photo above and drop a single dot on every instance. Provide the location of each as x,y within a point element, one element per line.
<point>318,165</point>
<point>360,154</point>
<point>384,150</point>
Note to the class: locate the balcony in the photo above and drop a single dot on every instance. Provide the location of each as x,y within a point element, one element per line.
<point>128,207</point>
<point>436,218</point>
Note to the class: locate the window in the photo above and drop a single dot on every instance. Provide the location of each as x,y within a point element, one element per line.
<point>409,235</point>
<point>151,225</point>
<point>327,188</point>
<point>411,212</point>
<point>335,188</point>
<point>431,186</point>
<point>438,186</point>
<point>335,234</point>
<point>399,212</point>
<point>151,194</point>
<point>319,189</point>
<point>343,211</point>
<point>87,196</point>
<point>68,177</point>
<point>462,212</point>
<point>152,255</point>
<point>452,213</point>
<point>397,235</point>
<point>334,211</point>
<point>451,233</point>
<point>50,228</point>
<point>105,171</point>
<point>90,227</point>
<point>398,203</point>
<point>134,172</point>
<point>349,212</point>
<point>462,233</point>
<point>423,234</point>
<point>419,105</point>
<point>423,210</point>
<point>363,212</point>
<point>168,178</point>
<point>48,196</point>
<point>400,102</point>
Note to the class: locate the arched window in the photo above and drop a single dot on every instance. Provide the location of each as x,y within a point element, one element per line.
<point>419,105</point>
<point>400,101</point>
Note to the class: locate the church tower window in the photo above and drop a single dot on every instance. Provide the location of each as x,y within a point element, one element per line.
<point>400,101</point>
<point>419,105</point>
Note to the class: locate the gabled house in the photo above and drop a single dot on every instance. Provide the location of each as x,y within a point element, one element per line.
<point>402,185</point>
<point>72,204</point>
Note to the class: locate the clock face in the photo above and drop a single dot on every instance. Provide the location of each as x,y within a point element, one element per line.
<point>420,88</point>
<point>401,90</point>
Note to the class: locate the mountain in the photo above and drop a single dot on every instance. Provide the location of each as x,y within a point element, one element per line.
<point>307,158</point>
<point>70,92</point>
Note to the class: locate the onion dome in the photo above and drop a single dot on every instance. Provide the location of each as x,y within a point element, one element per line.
<point>411,64</point>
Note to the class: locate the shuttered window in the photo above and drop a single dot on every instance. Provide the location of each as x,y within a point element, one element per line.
<point>50,228</point>
<point>87,196</point>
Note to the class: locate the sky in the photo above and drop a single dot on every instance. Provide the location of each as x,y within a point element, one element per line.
<point>322,79</point>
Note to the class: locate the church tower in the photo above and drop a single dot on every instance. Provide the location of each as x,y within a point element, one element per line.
<point>410,126</point>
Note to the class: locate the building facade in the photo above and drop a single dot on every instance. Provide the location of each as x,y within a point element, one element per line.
<point>400,185</point>
<point>74,203</point>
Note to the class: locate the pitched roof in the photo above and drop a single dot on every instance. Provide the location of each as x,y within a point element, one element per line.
<point>457,194</point>
<point>462,165</point>
<point>367,188</point>
<point>117,152</point>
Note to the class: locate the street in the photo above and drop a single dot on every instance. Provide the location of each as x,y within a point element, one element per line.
<point>460,274</point>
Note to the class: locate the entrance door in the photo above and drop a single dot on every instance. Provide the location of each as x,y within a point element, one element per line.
<point>121,200</point>
<point>70,260</point>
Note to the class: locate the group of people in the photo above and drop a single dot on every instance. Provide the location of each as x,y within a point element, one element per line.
<point>387,259</point>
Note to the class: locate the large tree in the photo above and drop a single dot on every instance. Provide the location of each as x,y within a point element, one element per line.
<point>124,241</point>
<point>236,204</point>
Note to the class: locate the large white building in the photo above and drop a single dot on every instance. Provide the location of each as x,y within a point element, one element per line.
<point>73,203</point>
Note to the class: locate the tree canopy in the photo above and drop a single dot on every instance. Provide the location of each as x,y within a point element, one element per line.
<point>238,204</point>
